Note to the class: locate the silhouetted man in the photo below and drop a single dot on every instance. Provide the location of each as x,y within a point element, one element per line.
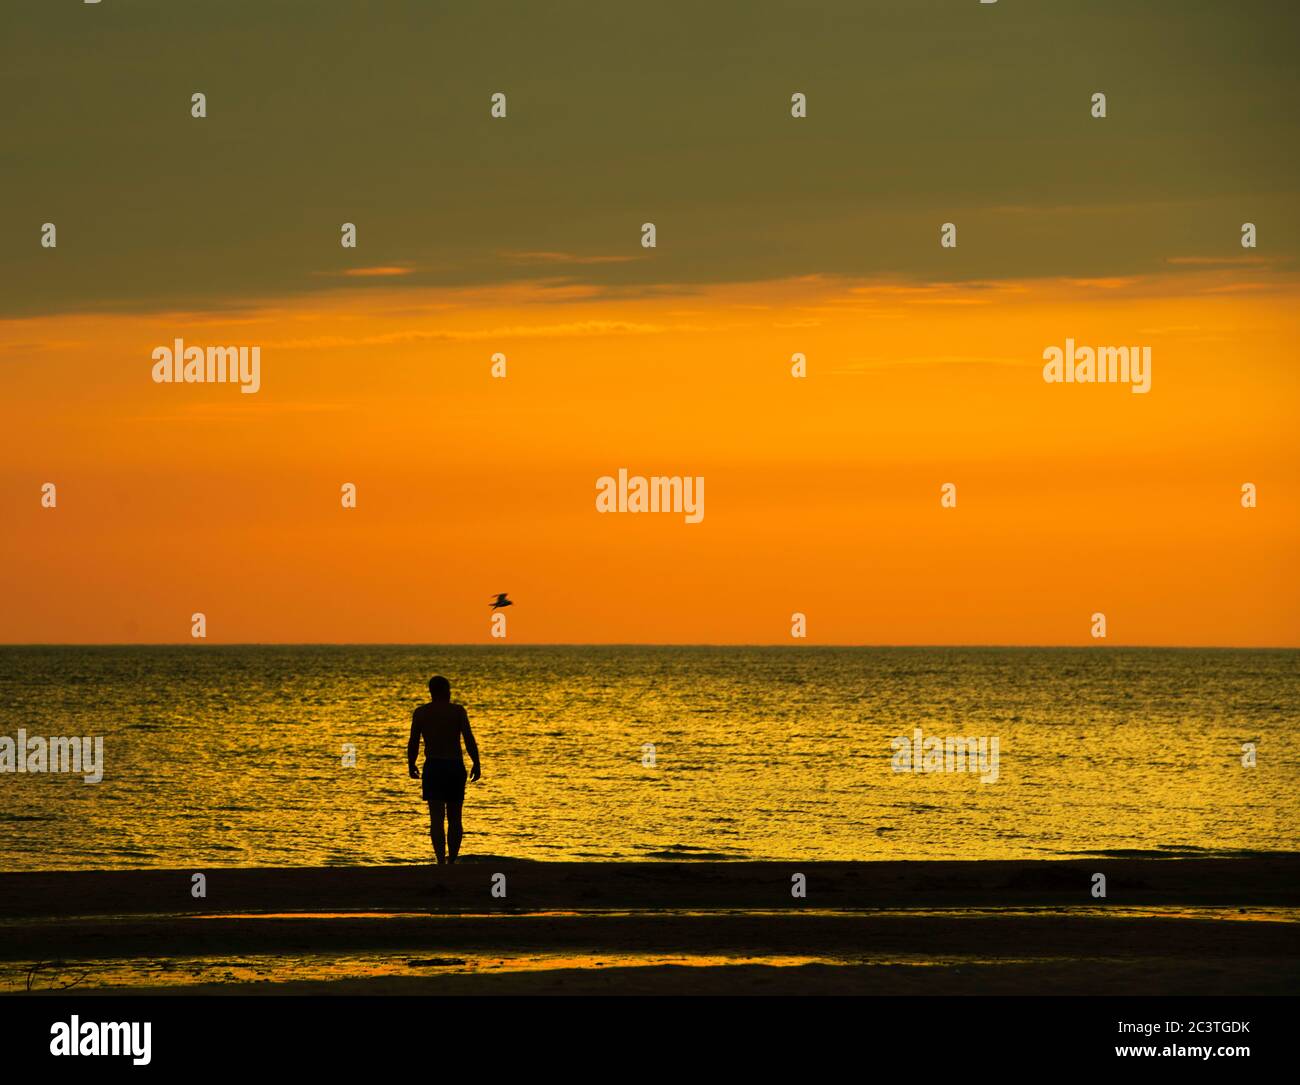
<point>442,724</point>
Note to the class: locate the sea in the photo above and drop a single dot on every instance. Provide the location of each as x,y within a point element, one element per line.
<point>288,755</point>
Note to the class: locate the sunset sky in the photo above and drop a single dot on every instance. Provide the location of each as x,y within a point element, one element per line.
<point>775,236</point>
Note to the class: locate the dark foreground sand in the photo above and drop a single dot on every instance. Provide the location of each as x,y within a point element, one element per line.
<point>1166,926</point>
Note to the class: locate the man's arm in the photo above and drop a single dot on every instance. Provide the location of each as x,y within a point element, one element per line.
<point>413,749</point>
<point>470,745</point>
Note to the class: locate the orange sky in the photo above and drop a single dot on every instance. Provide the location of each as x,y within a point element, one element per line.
<point>822,494</point>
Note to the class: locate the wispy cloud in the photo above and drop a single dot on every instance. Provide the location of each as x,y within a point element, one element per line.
<point>563,258</point>
<point>390,271</point>
<point>1253,260</point>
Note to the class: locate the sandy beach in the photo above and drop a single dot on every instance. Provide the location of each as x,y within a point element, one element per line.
<point>1223,925</point>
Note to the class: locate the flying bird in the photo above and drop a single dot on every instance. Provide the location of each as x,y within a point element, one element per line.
<point>502,601</point>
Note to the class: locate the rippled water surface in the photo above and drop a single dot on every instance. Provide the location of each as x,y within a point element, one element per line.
<point>233,756</point>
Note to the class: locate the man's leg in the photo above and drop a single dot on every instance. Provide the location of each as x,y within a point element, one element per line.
<point>454,829</point>
<point>435,832</point>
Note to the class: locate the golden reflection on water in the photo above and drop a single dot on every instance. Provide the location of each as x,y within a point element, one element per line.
<point>228,757</point>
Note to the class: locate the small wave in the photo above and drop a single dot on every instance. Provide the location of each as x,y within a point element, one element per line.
<point>493,859</point>
<point>1184,851</point>
<point>687,851</point>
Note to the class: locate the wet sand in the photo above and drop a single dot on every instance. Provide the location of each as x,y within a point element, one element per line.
<point>1166,926</point>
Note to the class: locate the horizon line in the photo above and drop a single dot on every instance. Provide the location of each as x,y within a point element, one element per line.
<point>637,644</point>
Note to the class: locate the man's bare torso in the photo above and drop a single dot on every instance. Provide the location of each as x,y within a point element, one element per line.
<point>440,725</point>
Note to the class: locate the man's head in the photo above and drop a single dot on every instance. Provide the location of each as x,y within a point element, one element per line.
<point>439,688</point>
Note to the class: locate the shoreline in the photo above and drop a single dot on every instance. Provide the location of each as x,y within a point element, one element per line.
<point>1166,926</point>
<point>1249,880</point>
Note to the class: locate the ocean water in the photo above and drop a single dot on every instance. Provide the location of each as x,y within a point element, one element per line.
<point>233,756</point>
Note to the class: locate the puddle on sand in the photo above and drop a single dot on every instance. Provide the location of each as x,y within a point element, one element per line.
<point>1270,915</point>
<point>1227,914</point>
<point>252,970</point>
<point>259,969</point>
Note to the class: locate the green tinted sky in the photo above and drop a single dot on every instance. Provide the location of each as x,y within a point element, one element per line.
<point>677,113</point>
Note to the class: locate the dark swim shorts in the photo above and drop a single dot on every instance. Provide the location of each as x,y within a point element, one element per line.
<point>443,781</point>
